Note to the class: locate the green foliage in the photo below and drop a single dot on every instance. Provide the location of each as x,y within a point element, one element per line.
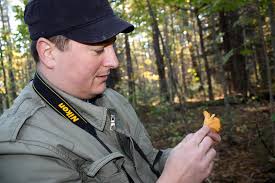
<point>273,117</point>
<point>227,56</point>
<point>22,40</point>
<point>246,52</point>
<point>179,2</point>
<point>220,5</point>
<point>160,110</point>
<point>176,22</point>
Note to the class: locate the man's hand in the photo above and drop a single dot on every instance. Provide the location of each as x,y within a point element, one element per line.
<point>191,161</point>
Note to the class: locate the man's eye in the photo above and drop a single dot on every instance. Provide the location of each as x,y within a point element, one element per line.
<point>98,52</point>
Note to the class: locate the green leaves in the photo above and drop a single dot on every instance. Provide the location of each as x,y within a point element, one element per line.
<point>246,52</point>
<point>220,5</point>
<point>227,56</point>
<point>273,117</point>
<point>174,1</point>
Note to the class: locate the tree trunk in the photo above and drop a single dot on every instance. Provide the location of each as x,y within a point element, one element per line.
<point>255,55</point>
<point>197,62</point>
<point>159,58</point>
<point>183,74</point>
<point>207,68</point>
<point>232,39</point>
<point>272,26</point>
<point>247,83</point>
<point>261,50</point>
<point>261,63</point>
<point>218,58</point>
<point>238,65</point>
<point>166,48</point>
<point>6,92</point>
<point>171,72</point>
<point>131,83</point>
<point>268,73</point>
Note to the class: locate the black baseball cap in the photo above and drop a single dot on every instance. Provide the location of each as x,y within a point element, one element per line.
<point>88,21</point>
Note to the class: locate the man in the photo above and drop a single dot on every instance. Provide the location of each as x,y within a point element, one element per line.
<point>65,126</point>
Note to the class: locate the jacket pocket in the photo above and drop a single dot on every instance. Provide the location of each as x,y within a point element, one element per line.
<point>107,169</point>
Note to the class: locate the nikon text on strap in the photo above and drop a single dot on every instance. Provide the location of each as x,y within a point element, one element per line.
<point>62,107</point>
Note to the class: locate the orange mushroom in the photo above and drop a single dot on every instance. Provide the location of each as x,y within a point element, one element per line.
<point>213,122</point>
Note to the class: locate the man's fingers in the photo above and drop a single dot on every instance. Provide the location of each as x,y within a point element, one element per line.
<point>216,137</point>
<point>210,168</point>
<point>200,134</point>
<point>206,144</point>
<point>210,156</point>
<point>188,137</point>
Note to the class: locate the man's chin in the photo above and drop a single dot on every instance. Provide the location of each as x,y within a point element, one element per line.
<point>99,91</point>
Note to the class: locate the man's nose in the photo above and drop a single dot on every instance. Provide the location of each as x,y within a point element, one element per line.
<point>110,57</point>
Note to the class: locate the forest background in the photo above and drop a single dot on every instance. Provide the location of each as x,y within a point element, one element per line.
<point>184,57</point>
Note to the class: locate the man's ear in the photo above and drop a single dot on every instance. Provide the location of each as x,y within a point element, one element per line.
<point>45,50</point>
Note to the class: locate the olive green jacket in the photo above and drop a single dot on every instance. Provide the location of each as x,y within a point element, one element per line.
<point>39,145</point>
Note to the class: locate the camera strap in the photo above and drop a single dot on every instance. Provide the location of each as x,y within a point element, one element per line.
<point>62,107</point>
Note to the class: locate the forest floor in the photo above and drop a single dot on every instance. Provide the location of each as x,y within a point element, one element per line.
<point>241,156</point>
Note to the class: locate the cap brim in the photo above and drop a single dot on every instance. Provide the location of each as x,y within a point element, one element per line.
<point>100,31</point>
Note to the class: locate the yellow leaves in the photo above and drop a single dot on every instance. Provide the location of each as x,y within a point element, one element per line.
<point>2,89</point>
<point>150,76</point>
<point>212,122</point>
<point>148,62</point>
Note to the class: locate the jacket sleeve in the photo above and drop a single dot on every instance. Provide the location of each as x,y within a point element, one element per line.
<point>158,157</point>
<point>35,168</point>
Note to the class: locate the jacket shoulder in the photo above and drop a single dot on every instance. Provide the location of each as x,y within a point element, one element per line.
<point>120,104</point>
<point>124,110</point>
<point>25,106</point>
<point>115,96</point>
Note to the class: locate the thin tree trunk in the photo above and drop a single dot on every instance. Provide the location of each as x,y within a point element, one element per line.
<point>159,58</point>
<point>183,72</point>
<point>194,62</point>
<point>131,84</point>
<point>219,60</point>
<point>171,73</point>
<point>197,62</point>
<point>6,92</point>
<point>255,66</point>
<point>261,63</point>
<point>237,63</point>
<point>232,39</point>
<point>166,47</point>
<point>207,68</point>
<point>272,25</point>
<point>267,62</point>
<point>247,83</point>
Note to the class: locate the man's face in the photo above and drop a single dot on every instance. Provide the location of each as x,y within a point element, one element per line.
<point>84,68</point>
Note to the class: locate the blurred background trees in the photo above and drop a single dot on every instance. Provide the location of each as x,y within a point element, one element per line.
<point>178,51</point>
<point>181,51</point>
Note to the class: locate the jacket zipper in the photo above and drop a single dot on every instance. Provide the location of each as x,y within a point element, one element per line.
<point>113,122</point>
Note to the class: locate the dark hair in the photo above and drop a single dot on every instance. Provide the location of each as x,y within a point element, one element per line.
<point>61,42</point>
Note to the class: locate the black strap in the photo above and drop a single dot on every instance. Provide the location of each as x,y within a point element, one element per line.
<point>145,158</point>
<point>61,106</point>
<point>158,156</point>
